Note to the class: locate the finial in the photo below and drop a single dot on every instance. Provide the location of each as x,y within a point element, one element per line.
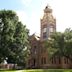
<point>47,9</point>
<point>48,5</point>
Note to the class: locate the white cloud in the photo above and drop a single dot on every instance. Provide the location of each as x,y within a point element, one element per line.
<point>23,17</point>
<point>35,22</point>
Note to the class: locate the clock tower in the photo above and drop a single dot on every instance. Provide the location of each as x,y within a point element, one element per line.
<point>48,24</point>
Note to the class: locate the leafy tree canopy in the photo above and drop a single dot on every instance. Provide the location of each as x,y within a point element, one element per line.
<point>14,44</point>
<point>60,44</point>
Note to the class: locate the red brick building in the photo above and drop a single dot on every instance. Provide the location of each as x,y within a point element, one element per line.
<point>38,53</point>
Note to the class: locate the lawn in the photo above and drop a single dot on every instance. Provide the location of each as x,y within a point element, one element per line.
<point>39,70</point>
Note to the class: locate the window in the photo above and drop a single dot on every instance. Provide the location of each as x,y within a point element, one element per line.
<point>34,46</point>
<point>43,60</point>
<point>51,29</point>
<point>44,35</point>
<point>44,26</point>
<point>34,62</point>
<point>65,60</point>
<point>53,60</point>
<point>35,50</point>
<point>44,29</point>
<point>59,60</point>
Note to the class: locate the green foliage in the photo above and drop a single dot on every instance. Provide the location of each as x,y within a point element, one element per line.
<point>14,43</point>
<point>60,44</point>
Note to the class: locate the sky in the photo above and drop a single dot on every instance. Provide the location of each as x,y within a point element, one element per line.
<point>30,12</point>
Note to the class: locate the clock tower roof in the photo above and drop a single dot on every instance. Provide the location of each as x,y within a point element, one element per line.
<point>47,9</point>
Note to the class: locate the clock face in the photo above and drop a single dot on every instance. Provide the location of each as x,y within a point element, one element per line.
<point>45,29</point>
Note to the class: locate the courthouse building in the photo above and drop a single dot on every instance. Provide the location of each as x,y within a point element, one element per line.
<point>38,53</point>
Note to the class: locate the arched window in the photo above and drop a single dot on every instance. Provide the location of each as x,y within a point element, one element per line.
<point>66,60</point>
<point>44,35</point>
<point>51,29</point>
<point>44,30</point>
<point>34,62</point>
<point>43,60</point>
<point>53,60</point>
<point>59,60</point>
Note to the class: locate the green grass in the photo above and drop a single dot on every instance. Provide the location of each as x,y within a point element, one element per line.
<point>39,70</point>
<point>49,70</point>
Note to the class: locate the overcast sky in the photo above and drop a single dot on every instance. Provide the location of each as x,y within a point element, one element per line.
<point>30,12</point>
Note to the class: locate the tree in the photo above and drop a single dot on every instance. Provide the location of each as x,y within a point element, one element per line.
<point>60,44</point>
<point>14,44</point>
